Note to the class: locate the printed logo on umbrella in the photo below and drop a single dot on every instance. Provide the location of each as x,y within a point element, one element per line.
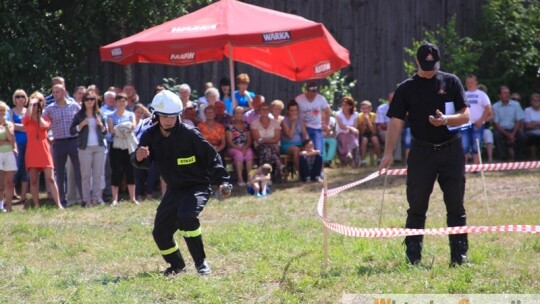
<point>116,52</point>
<point>276,37</point>
<point>194,28</point>
<point>323,67</point>
<point>183,57</point>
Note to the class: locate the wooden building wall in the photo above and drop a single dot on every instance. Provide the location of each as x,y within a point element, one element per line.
<point>374,31</point>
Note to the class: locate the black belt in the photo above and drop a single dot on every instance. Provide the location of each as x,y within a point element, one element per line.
<point>439,146</point>
<point>65,139</point>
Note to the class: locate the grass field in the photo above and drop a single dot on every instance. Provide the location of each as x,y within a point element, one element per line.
<point>271,250</point>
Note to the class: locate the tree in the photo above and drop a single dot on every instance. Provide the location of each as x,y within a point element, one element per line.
<point>42,39</point>
<point>338,86</point>
<point>458,55</point>
<point>510,35</point>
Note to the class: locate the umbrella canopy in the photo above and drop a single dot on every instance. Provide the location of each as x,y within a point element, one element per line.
<point>283,44</point>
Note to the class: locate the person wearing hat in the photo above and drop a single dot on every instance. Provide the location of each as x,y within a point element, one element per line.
<point>437,108</point>
<point>315,112</point>
<point>189,165</point>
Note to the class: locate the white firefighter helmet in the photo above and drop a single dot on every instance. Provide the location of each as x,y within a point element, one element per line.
<point>166,103</point>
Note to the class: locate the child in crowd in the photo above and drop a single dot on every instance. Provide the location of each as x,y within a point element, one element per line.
<point>310,162</point>
<point>258,180</point>
<point>368,131</point>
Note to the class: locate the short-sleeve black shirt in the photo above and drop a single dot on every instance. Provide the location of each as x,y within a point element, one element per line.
<point>421,97</point>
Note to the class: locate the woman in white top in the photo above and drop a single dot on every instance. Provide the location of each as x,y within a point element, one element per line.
<point>266,133</point>
<point>347,132</point>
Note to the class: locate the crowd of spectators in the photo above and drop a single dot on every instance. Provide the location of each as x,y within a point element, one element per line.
<point>81,143</point>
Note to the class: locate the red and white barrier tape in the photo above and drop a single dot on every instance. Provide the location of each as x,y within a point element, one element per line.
<point>485,167</point>
<point>395,232</point>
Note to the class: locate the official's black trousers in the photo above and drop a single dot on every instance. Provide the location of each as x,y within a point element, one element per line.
<point>425,165</point>
<point>179,210</point>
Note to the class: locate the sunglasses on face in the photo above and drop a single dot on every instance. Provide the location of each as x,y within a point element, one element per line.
<point>89,99</point>
<point>20,96</point>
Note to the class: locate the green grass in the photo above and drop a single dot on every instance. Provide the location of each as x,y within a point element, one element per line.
<point>270,250</point>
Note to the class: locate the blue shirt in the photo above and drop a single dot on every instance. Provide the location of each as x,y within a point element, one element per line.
<point>105,112</point>
<point>126,116</point>
<point>243,100</point>
<point>507,115</point>
<point>20,136</point>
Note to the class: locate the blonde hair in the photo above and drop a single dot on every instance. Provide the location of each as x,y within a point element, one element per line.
<point>266,169</point>
<point>279,103</point>
<point>20,92</point>
<point>242,78</point>
<point>3,106</point>
<point>365,103</point>
<point>37,95</point>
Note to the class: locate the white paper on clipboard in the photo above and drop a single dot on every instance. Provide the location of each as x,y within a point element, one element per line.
<point>449,109</point>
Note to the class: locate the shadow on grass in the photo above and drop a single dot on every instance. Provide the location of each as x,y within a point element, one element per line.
<point>109,279</point>
<point>293,259</point>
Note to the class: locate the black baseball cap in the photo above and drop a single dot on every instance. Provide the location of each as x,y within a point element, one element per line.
<point>428,56</point>
<point>312,86</point>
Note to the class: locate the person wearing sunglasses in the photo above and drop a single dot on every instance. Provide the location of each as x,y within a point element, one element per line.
<point>90,128</point>
<point>119,153</point>
<point>20,100</point>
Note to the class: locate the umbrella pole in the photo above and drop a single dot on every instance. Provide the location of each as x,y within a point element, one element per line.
<point>231,76</point>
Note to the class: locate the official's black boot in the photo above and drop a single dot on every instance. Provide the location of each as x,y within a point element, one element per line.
<point>414,248</point>
<point>177,263</point>
<point>196,249</point>
<point>459,245</point>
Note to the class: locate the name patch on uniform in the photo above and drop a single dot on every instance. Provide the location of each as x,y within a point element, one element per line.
<point>186,161</point>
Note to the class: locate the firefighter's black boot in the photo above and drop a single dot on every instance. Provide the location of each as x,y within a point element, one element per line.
<point>459,246</point>
<point>196,249</point>
<point>177,263</point>
<point>414,248</point>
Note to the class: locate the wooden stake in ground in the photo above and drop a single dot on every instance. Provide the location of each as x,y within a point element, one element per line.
<point>325,230</point>
<point>382,200</point>
<point>482,174</point>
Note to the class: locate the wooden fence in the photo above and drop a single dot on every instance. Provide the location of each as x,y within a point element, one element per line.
<point>374,31</point>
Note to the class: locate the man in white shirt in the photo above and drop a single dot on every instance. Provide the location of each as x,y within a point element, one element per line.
<point>532,125</point>
<point>381,123</point>
<point>312,105</point>
<point>480,112</point>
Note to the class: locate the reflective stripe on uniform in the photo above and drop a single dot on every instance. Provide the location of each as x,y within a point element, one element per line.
<point>170,250</point>
<point>192,233</point>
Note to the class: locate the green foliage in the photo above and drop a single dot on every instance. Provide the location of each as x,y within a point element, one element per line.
<point>510,35</point>
<point>506,49</point>
<point>171,84</point>
<point>458,55</point>
<point>338,86</point>
<point>42,39</point>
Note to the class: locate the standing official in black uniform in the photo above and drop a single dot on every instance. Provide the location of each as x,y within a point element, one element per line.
<point>189,165</point>
<point>436,107</point>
